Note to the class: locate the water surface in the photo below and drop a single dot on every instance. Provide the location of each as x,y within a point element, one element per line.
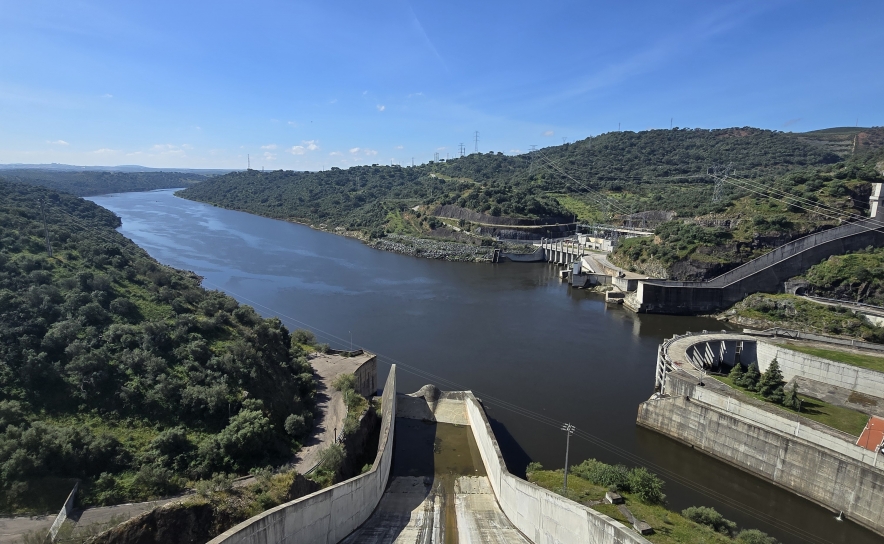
<point>506,331</point>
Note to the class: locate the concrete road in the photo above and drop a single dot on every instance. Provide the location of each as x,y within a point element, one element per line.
<point>330,407</point>
<point>13,529</point>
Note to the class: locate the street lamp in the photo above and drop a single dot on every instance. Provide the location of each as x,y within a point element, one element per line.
<point>569,430</point>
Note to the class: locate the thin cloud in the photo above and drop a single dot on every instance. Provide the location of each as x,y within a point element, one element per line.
<point>399,147</point>
<point>333,101</point>
<point>107,95</point>
<point>355,150</point>
<point>548,133</point>
<point>335,154</point>
<point>371,152</point>
<point>269,156</point>
<point>515,151</point>
<point>105,151</point>
<point>57,142</point>
<point>293,123</point>
<point>381,107</point>
<point>307,145</point>
<point>269,146</point>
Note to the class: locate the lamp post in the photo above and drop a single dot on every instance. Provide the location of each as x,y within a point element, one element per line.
<point>569,430</point>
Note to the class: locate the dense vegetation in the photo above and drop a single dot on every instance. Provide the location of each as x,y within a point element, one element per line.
<point>748,224</point>
<point>855,277</point>
<point>642,491</point>
<point>91,182</point>
<point>125,373</point>
<point>763,311</point>
<point>651,170</point>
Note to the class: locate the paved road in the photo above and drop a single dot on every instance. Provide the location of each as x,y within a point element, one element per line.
<point>13,529</point>
<point>330,407</point>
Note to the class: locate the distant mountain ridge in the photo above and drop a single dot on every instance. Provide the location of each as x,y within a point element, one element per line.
<point>121,168</point>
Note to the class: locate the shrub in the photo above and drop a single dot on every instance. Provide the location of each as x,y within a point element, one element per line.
<point>603,474</point>
<point>303,336</point>
<point>754,536</point>
<point>345,382</point>
<point>711,518</point>
<point>296,425</point>
<point>646,486</point>
<point>533,466</point>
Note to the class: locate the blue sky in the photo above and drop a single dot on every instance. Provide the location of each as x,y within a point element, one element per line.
<point>314,85</point>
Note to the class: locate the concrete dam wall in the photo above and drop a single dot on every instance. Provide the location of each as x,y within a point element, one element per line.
<point>327,516</point>
<point>765,274</point>
<point>807,459</point>
<point>541,515</point>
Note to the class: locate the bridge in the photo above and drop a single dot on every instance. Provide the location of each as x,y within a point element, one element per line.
<point>438,476</point>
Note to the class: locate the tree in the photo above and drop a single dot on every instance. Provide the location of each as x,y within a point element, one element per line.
<point>790,398</point>
<point>771,382</point>
<point>736,373</point>
<point>750,378</point>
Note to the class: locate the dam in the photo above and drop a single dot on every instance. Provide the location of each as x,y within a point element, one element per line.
<point>438,477</point>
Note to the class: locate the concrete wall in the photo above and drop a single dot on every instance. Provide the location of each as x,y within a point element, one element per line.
<point>794,363</point>
<point>814,464</point>
<point>367,377</point>
<point>538,256</point>
<point>765,274</point>
<point>329,515</point>
<point>541,515</point>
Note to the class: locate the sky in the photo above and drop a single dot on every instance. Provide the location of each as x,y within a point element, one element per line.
<point>308,86</point>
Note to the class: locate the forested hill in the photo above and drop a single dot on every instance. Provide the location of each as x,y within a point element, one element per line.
<point>650,170</point>
<point>125,373</point>
<point>92,182</point>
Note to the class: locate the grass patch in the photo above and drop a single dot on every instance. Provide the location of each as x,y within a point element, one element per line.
<point>669,527</point>
<point>837,417</point>
<point>872,362</point>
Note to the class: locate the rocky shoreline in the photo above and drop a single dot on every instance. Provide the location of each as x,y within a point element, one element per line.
<point>443,250</point>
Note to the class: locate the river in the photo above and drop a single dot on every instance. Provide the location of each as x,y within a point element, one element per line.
<point>512,333</point>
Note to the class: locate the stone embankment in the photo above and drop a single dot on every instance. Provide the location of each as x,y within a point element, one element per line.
<point>438,249</point>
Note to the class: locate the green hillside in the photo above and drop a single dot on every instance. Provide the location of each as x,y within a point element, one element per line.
<point>125,373</point>
<point>91,182</point>
<point>651,170</point>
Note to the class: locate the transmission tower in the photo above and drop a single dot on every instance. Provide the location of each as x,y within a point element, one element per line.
<point>476,137</point>
<point>462,150</point>
<point>719,173</point>
<point>531,160</point>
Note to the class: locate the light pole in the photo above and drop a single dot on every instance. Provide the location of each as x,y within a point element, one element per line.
<point>569,430</point>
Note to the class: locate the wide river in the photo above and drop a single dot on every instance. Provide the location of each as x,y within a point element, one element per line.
<point>534,350</point>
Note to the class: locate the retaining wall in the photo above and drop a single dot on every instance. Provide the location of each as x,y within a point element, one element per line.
<point>329,515</point>
<point>814,464</point>
<point>541,515</point>
<point>765,274</point>
<point>794,363</point>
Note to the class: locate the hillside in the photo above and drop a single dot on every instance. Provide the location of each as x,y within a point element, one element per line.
<point>91,182</point>
<point>754,217</point>
<point>125,373</point>
<point>606,178</point>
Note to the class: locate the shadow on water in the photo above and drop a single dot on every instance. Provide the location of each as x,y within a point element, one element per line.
<point>515,457</point>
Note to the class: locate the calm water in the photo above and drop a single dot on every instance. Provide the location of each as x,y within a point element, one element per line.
<point>507,331</point>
